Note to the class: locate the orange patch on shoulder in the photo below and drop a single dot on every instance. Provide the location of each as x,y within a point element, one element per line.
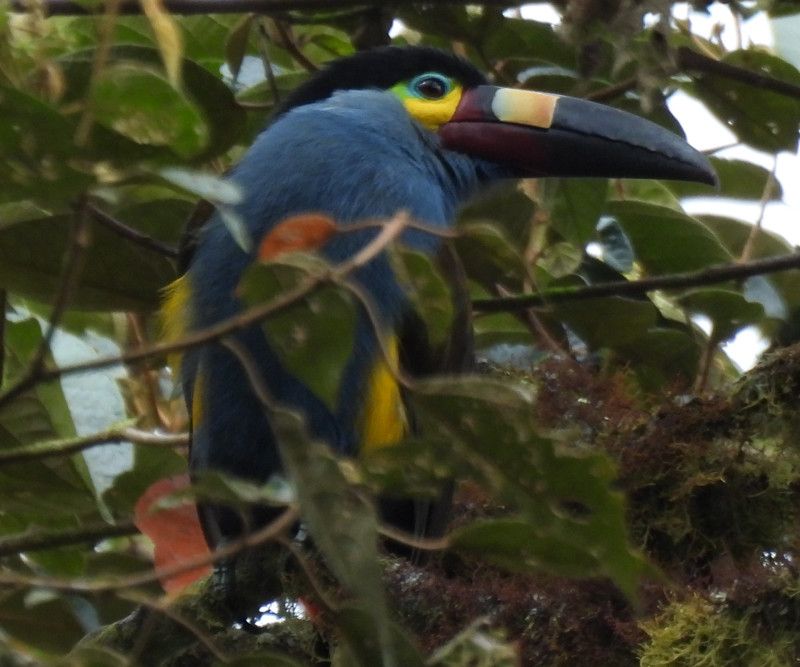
<point>308,231</point>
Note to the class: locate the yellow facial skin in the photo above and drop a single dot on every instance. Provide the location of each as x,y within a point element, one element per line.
<point>432,113</point>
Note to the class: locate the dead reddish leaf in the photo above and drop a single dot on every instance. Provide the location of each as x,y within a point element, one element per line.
<point>308,231</point>
<point>175,532</point>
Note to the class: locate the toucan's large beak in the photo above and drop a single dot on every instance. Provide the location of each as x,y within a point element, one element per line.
<point>539,134</point>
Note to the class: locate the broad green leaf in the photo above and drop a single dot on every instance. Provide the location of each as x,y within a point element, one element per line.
<point>734,234</point>
<point>343,525</point>
<point>488,256</point>
<point>517,38</point>
<point>362,648</point>
<point>117,274</point>
<point>266,94</point>
<point>728,311</point>
<point>37,150</point>
<point>215,189</point>
<point>611,322</point>
<point>142,105</point>
<point>478,646</point>
<point>664,240</point>
<point>150,465</point>
<point>738,179</point>
<point>314,337</point>
<point>576,208</point>
<point>428,291</point>
<point>262,659</point>
<point>237,42</point>
<point>561,259</point>
<point>51,626</point>
<point>764,119</point>
<point>565,499</point>
<point>660,356</point>
<point>224,121</point>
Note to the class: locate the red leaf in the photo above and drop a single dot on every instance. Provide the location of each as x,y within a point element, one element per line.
<point>307,231</point>
<point>175,532</point>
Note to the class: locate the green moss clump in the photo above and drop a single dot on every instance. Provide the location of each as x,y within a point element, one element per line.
<point>699,633</point>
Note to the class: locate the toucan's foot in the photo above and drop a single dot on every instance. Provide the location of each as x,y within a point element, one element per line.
<point>225,585</point>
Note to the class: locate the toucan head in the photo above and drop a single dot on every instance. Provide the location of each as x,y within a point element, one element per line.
<point>527,132</point>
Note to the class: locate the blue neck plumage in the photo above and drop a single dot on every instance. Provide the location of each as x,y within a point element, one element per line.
<point>355,156</point>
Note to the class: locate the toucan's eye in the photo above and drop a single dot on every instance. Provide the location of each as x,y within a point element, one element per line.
<point>431,86</point>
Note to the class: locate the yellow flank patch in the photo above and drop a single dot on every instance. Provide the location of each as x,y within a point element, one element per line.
<point>434,113</point>
<point>525,107</point>
<point>175,315</point>
<point>383,417</point>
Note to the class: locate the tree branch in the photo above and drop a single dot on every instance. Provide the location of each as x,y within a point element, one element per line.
<point>73,7</point>
<point>389,231</point>
<point>123,230</point>
<point>710,276</point>
<point>39,540</point>
<point>102,585</point>
<point>42,450</point>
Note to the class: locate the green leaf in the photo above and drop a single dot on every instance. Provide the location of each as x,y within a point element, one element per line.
<point>728,311</point>
<point>612,322</point>
<point>488,256</point>
<point>223,119</point>
<point>428,291</point>
<point>142,105</point>
<point>215,189</point>
<point>343,525</point>
<point>576,208</point>
<point>757,116</point>
<point>314,337</point>
<point>361,646</point>
<point>561,259</point>
<point>36,145</point>
<point>117,274</point>
<point>50,626</point>
<point>237,42</point>
<point>478,645</point>
<point>664,240</point>
<point>738,179</point>
<point>734,234</point>
<point>150,464</point>
<point>566,499</point>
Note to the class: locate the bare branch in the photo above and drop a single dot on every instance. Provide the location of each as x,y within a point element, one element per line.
<point>79,242</point>
<point>710,276</point>
<point>389,231</point>
<point>50,448</point>
<point>47,539</point>
<point>134,235</point>
<point>73,7</point>
<point>101,585</point>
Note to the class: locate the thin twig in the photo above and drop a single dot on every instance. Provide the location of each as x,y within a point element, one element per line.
<point>79,242</point>
<point>755,230</point>
<point>266,61</point>
<point>49,539</point>
<point>3,306</point>
<point>77,8</point>
<point>134,235</point>
<point>289,44</point>
<point>389,231</point>
<point>67,446</point>
<point>409,540</point>
<point>100,585</point>
<point>163,607</point>
<point>687,59</point>
<point>710,276</point>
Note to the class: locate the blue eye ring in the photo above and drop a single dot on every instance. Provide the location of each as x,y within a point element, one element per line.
<point>430,86</point>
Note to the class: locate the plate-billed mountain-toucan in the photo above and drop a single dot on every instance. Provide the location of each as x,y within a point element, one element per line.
<point>395,129</point>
